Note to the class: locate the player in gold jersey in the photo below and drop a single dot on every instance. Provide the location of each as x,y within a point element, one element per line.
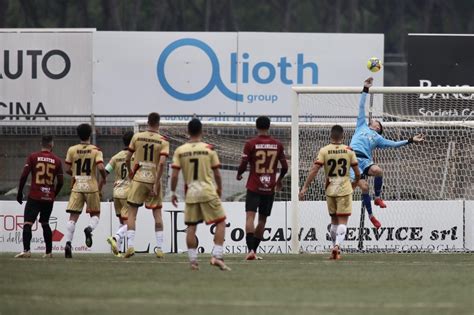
<point>336,158</point>
<point>151,150</point>
<point>121,188</point>
<point>200,165</point>
<point>82,160</point>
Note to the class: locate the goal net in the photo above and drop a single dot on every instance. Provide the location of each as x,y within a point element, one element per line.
<point>426,185</point>
<point>228,138</point>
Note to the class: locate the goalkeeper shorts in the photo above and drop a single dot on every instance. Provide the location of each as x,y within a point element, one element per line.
<point>364,166</point>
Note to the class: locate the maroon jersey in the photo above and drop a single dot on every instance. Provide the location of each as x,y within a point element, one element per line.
<point>263,153</point>
<point>44,167</point>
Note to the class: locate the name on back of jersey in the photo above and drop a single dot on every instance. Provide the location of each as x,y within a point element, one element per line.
<point>266,146</point>
<point>193,153</point>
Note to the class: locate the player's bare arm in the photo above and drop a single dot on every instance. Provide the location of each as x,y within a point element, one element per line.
<point>21,186</point>
<point>312,174</point>
<point>242,168</point>
<point>174,184</point>
<point>283,172</point>
<point>161,168</point>
<point>218,179</point>
<point>103,175</point>
<point>243,163</point>
<point>356,170</point>
<point>128,160</point>
<point>68,169</point>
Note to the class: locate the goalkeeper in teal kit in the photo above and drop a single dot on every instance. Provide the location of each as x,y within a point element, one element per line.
<point>366,138</point>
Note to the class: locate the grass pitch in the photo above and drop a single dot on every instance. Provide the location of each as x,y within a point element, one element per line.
<point>279,284</point>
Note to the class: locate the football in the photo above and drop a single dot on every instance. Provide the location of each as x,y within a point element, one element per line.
<point>374,64</point>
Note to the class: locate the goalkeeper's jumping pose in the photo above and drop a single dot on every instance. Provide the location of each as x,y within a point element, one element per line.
<point>366,138</point>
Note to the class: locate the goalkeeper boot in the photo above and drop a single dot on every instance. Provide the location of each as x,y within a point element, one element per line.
<point>251,256</point>
<point>219,262</point>
<point>88,234</point>
<point>129,253</point>
<point>68,250</point>
<point>26,254</point>
<point>379,202</point>
<point>159,253</point>
<point>113,245</point>
<point>375,222</point>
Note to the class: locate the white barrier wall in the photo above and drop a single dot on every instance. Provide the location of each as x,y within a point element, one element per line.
<point>408,225</point>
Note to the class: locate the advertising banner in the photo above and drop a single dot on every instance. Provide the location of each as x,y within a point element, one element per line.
<point>441,60</point>
<point>45,73</point>
<point>11,229</point>
<point>223,73</point>
<point>407,226</point>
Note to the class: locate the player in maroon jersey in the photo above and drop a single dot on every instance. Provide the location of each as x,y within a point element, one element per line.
<point>263,154</point>
<point>44,167</point>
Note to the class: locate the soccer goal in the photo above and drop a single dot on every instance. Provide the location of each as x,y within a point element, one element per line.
<point>429,187</point>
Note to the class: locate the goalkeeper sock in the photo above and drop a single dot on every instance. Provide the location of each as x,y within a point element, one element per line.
<point>378,182</point>
<point>332,231</point>
<point>250,239</point>
<point>340,234</point>
<point>26,237</point>
<point>367,203</point>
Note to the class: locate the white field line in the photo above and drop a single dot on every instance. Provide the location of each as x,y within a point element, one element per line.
<point>238,303</point>
<point>244,262</point>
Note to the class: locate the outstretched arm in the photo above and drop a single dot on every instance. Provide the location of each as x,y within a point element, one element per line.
<point>385,143</point>
<point>361,116</point>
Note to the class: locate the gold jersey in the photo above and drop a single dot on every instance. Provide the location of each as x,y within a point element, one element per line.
<point>118,166</point>
<point>84,159</point>
<point>148,147</point>
<point>337,160</point>
<point>197,159</point>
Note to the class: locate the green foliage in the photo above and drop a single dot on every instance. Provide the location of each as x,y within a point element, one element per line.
<point>393,18</point>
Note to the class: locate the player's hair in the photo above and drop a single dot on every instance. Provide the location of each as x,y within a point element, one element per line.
<point>337,132</point>
<point>263,123</point>
<point>127,137</point>
<point>194,127</point>
<point>46,140</point>
<point>380,132</point>
<point>84,131</point>
<point>153,119</point>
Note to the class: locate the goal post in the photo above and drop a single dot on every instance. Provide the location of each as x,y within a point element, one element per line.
<point>418,178</point>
